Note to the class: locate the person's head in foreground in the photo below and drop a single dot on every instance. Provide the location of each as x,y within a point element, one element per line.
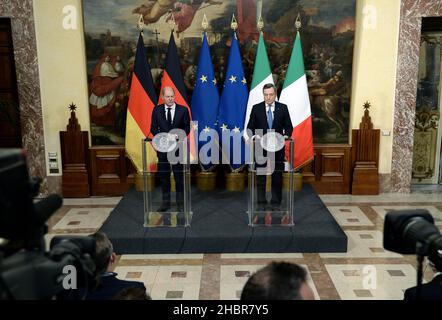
<point>278,281</point>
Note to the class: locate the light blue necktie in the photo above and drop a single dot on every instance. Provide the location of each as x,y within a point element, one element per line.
<point>270,117</point>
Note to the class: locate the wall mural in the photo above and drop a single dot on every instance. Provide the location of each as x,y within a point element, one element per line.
<point>327,39</point>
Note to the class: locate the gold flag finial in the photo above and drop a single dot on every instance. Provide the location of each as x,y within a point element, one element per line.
<point>171,21</point>
<point>140,24</point>
<point>260,23</point>
<point>234,23</point>
<point>205,23</point>
<point>298,22</point>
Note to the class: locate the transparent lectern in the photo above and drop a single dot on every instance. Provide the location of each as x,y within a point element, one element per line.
<point>166,177</point>
<point>270,201</point>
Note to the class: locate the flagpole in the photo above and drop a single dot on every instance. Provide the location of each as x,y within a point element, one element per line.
<point>234,25</point>
<point>298,23</point>
<point>141,25</point>
<point>260,24</point>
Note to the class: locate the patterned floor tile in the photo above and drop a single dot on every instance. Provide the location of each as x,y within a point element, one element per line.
<point>349,216</point>
<point>378,281</point>
<point>383,197</point>
<point>179,274</point>
<point>145,274</point>
<point>436,213</point>
<point>363,244</point>
<point>161,256</point>
<point>274,256</point>
<point>83,218</point>
<point>175,291</point>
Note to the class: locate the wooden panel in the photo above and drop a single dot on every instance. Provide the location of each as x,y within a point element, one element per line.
<point>365,157</point>
<point>108,167</point>
<point>329,173</point>
<point>333,166</point>
<point>74,155</point>
<point>309,171</point>
<point>111,171</point>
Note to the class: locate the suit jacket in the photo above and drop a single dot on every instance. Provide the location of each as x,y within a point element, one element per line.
<point>430,291</point>
<point>281,119</point>
<point>110,285</point>
<point>181,120</point>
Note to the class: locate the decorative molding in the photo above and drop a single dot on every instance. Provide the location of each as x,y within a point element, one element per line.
<point>424,148</point>
<point>411,15</point>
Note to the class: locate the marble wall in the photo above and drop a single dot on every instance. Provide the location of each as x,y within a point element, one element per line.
<point>412,12</point>
<point>26,63</point>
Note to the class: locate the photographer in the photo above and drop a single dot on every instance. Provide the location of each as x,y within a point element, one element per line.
<point>27,271</point>
<point>414,232</point>
<point>431,290</point>
<point>108,283</point>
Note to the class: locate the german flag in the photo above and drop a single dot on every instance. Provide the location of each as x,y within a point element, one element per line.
<point>142,100</point>
<point>172,77</point>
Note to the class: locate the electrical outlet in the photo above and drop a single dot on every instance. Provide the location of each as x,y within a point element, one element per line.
<point>53,163</point>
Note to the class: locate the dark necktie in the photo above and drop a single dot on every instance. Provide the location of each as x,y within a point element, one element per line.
<point>169,115</point>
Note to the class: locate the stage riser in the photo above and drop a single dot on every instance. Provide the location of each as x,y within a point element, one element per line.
<point>219,225</point>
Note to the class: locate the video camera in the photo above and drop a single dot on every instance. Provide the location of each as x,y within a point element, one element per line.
<point>27,271</point>
<point>414,232</point>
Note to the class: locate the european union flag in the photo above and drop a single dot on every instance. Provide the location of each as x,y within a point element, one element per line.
<point>232,109</point>
<point>205,100</point>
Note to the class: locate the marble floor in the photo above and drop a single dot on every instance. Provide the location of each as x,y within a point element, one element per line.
<point>366,271</point>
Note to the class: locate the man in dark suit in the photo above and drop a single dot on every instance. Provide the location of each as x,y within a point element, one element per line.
<point>431,290</point>
<point>166,117</point>
<point>108,285</point>
<point>266,116</point>
<point>105,258</point>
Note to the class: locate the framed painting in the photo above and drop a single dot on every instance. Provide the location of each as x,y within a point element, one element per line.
<point>327,37</point>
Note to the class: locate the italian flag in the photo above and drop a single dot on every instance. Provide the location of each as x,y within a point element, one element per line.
<point>261,76</point>
<point>295,95</point>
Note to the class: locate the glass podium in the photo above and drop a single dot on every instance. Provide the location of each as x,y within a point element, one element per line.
<point>166,189</point>
<point>269,203</point>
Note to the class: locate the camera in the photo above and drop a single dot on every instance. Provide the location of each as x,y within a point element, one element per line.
<point>27,271</point>
<point>414,232</point>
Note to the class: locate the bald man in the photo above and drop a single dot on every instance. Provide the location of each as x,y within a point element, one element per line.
<point>166,117</point>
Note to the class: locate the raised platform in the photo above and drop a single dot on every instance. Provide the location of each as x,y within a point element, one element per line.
<point>219,225</point>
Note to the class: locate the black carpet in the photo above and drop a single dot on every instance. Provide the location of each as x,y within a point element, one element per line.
<point>219,225</point>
